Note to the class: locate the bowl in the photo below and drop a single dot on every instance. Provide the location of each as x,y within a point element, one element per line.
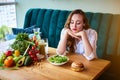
<point>58,59</point>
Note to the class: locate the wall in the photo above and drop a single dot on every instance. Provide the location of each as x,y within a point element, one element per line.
<point>106,6</point>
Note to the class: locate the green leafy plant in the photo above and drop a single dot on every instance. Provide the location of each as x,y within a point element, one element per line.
<point>21,42</point>
<point>22,36</point>
<point>3,31</point>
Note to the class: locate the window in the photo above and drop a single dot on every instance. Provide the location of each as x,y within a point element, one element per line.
<point>8,13</point>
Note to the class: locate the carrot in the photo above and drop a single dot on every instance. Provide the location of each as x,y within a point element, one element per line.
<point>36,42</point>
<point>34,38</point>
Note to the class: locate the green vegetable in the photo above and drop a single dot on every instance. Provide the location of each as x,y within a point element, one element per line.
<point>25,59</point>
<point>58,59</point>
<point>22,36</point>
<point>28,61</point>
<point>2,58</point>
<point>16,59</point>
<point>19,45</point>
<point>21,62</point>
<point>21,42</point>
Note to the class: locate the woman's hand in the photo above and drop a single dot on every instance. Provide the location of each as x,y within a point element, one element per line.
<point>75,35</point>
<point>80,34</point>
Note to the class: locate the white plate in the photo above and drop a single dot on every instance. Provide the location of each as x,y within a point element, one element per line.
<point>55,63</point>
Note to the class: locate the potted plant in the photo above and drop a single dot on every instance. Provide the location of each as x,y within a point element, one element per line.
<point>3,31</point>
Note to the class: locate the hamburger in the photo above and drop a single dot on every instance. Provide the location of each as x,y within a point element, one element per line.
<point>77,66</point>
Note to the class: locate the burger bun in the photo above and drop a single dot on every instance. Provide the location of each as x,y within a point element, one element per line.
<point>77,66</point>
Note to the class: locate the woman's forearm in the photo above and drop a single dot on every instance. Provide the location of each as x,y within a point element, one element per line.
<point>62,44</point>
<point>87,46</point>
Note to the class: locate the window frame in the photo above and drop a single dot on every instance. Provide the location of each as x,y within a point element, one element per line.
<point>7,3</point>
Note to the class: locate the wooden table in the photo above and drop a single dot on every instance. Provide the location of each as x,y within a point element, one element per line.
<point>46,71</point>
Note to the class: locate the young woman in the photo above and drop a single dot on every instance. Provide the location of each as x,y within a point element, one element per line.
<point>77,36</point>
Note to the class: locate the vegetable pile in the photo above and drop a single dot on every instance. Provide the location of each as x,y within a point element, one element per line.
<point>24,52</point>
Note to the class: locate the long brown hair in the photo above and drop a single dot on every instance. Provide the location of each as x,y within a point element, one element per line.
<point>71,41</point>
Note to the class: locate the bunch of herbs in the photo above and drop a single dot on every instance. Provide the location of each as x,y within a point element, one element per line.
<point>21,42</point>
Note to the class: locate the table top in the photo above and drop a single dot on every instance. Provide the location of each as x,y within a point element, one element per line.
<point>46,71</point>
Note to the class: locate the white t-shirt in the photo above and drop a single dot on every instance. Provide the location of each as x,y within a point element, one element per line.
<point>92,37</point>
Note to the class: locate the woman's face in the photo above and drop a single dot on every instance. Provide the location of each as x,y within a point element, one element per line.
<point>76,23</point>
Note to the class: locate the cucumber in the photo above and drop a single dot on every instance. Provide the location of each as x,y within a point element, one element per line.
<point>28,61</point>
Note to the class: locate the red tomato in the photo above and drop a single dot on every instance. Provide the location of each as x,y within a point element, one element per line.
<point>8,53</point>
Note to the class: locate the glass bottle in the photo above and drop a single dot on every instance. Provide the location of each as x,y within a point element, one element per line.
<point>37,33</point>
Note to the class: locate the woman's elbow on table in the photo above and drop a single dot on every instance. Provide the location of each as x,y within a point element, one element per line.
<point>90,57</point>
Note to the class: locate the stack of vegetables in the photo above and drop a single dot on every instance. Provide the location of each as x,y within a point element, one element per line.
<point>24,52</point>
